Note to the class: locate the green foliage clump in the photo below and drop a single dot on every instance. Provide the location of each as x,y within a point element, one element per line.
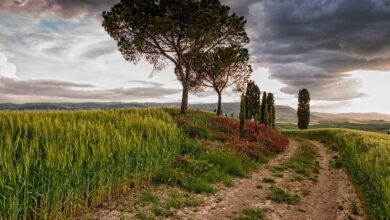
<point>303,109</point>
<point>279,195</point>
<point>250,214</point>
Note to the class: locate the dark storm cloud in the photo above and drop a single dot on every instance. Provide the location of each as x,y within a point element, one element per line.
<point>313,44</point>
<point>11,88</point>
<point>65,8</point>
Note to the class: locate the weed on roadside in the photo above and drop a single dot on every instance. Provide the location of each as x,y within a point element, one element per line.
<point>250,214</point>
<point>280,196</point>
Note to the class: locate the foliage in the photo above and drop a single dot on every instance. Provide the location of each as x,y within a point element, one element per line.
<point>52,162</point>
<point>254,143</point>
<point>222,68</point>
<point>366,158</point>
<point>242,115</point>
<point>174,31</point>
<point>271,109</point>
<point>266,115</point>
<point>250,214</point>
<point>264,109</point>
<point>281,196</point>
<point>304,159</point>
<point>252,100</point>
<point>303,112</point>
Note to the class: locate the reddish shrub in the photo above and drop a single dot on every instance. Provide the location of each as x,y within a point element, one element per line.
<point>254,143</point>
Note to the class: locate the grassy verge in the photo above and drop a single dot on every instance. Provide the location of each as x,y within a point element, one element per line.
<point>366,158</point>
<point>304,159</point>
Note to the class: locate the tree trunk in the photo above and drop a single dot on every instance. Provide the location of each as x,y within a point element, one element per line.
<point>219,109</point>
<point>184,99</point>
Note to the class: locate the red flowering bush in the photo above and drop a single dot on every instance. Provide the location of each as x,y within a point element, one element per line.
<point>255,142</point>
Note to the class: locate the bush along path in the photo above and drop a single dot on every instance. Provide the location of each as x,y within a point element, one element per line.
<point>305,182</point>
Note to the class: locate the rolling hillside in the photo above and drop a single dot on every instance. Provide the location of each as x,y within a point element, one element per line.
<point>283,113</point>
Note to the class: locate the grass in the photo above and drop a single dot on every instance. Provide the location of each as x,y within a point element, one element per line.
<point>228,182</point>
<point>280,196</point>
<point>250,214</point>
<point>153,206</point>
<point>304,159</point>
<point>297,178</point>
<point>176,200</point>
<point>149,197</point>
<point>366,158</point>
<point>53,162</point>
<point>160,212</point>
<point>200,164</point>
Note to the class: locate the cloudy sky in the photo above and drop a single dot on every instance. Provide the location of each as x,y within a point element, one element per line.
<point>56,50</point>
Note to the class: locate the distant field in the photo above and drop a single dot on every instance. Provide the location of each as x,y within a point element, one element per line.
<point>366,158</point>
<point>375,126</point>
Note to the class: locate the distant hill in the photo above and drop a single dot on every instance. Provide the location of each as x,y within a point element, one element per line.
<point>372,116</point>
<point>283,113</point>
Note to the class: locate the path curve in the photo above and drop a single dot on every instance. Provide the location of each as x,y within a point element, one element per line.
<point>328,196</point>
<point>225,202</point>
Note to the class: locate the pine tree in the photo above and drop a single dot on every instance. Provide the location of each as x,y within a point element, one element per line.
<point>303,112</point>
<point>242,116</point>
<point>263,107</point>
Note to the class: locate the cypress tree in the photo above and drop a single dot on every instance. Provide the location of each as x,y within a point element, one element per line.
<point>252,100</point>
<point>258,115</point>
<point>266,115</point>
<point>271,109</point>
<point>263,107</point>
<point>303,112</point>
<point>242,116</point>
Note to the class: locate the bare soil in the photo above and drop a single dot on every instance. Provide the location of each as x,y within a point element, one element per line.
<point>326,195</point>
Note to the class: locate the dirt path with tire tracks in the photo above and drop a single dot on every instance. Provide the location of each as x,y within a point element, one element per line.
<point>327,195</point>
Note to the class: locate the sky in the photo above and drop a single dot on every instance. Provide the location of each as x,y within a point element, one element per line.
<point>57,51</point>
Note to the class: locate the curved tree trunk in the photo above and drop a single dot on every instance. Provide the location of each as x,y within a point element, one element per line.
<point>219,108</point>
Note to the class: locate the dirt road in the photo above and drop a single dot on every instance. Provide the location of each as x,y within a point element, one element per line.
<point>328,194</point>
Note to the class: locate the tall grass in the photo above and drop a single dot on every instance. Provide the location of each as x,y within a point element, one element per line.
<point>51,163</point>
<point>366,157</point>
